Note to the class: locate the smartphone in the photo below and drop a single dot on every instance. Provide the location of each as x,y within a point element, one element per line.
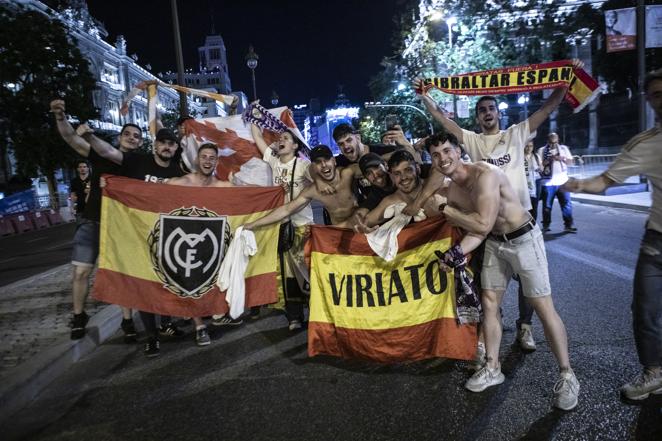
<point>391,121</point>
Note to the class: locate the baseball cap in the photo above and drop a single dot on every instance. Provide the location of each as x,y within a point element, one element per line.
<point>320,151</point>
<point>166,135</point>
<point>370,160</point>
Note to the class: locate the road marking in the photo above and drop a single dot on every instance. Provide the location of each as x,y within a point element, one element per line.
<point>615,269</point>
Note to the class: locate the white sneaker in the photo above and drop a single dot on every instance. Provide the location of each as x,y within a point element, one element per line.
<point>525,338</point>
<point>644,384</point>
<point>484,378</point>
<point>566,391</point>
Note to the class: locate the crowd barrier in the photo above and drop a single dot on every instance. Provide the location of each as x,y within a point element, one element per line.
<point>587,166</point>
<point>29,221</point>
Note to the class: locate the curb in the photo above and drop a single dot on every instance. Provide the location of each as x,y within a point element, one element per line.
<point>28,379</point>
<point>636,207</point>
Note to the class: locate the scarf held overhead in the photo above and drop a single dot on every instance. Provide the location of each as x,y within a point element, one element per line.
<point>582,88</point>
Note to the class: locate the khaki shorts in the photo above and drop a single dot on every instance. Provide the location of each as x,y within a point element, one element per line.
<point>524,256</point>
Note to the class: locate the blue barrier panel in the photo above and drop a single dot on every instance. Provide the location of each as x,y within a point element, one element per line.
<point>17,202</point>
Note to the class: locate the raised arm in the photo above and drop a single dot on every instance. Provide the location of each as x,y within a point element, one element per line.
<point>398,135</point>
<point>482,221</point>
<point>100,146</point>
<point>67,132</point>
<point>259,139</point>
<point>432,107</point>
<point>551,104</point>
<point>281,212</point>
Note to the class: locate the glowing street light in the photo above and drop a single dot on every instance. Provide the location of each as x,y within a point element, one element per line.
<point>251,62</point>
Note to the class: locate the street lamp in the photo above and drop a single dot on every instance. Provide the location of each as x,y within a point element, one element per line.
<point>523,100</point>
<point>251,62</point>
<point>503,106</point>
<point>274,98</point>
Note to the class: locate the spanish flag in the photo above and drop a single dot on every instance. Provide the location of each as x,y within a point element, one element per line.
<point>364,307</point>
<point>161,246</point>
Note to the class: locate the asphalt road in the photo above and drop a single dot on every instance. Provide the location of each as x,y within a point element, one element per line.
<point>27,254</point>
<point>256,382</point>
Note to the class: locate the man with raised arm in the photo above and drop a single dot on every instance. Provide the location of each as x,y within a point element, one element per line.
<point>341,205</point>
<point>157,168</point>
<point>505,149</point>
<point>642,155</point>
<point>482,201</point>
<point>86,238</point>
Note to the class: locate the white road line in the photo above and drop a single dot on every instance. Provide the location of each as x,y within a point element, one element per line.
<point>615,269</point>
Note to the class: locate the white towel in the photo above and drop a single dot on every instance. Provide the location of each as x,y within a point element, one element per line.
<point>231,274</point>
<point>384,240</point>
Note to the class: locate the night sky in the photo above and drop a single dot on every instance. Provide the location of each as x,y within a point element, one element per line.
<point>306,48</point>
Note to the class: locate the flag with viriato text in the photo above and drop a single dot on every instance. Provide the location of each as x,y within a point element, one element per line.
<point>161,246</point>
<point>364,307</point>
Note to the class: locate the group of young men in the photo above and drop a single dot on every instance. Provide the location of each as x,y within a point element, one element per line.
<point>487,198</point>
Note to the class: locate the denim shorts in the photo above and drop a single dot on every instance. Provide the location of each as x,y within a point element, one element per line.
<point>86,243</point>
<point>524,256</point>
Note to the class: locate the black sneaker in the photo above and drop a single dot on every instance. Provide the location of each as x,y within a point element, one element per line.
<point>570,229</point>
<point>255,313</point>
<point>170,330</point>
<point>78,325</point>
<point>202,337</point>
<point>545,228</point>
<point>226,320</point>
<point>152,348</point>
<point>129,331</point>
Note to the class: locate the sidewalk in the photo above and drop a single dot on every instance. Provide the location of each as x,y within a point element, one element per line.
<point>34,323</point>
<point>35,313</point>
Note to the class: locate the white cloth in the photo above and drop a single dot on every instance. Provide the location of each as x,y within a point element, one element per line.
<point>505,150</point>
<point>384,240</point>
<point>231,274</point>
<point>642,155</point>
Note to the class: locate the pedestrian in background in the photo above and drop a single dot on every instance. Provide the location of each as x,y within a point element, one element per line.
<point>555,161</point>
<point>79,189</point>
<point>532,168</point>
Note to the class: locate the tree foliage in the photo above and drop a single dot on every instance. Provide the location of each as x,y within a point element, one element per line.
<point>38,63</point>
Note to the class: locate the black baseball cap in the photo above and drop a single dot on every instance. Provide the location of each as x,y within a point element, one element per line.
<point>370,160</point>
<point>166,135</point>
<point>320,151</point>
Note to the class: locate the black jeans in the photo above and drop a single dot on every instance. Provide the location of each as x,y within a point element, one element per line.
<point>647,300</point>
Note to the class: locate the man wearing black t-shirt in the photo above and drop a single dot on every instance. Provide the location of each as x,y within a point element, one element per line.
<point>80,188</point>
<point>157,168</point>
<point>86,239</point>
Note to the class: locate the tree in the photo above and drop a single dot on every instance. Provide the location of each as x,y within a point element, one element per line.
<point>36,67</point>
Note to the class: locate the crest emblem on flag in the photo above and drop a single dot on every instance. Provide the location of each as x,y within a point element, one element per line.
<point>187,247</point>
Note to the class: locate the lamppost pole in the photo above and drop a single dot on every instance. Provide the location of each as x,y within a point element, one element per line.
<point>407,106</point>
<point>251,62</point>
<point>183,108</point>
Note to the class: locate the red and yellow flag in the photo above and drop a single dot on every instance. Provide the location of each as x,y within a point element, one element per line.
<point>364,307</point>
<point>161,246</point>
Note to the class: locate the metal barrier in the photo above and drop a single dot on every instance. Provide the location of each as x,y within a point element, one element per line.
<point>587,166</point>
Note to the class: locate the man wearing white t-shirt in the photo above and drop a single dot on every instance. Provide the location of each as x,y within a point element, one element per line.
<point>505,149</point>
<point>555,161</point>
<point>642,155</point>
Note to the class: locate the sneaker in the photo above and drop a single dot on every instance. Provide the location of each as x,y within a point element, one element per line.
<point>570,229</point>
<point>226,320</point>
<point>545,228</point>
<point>152,348</point>
<point>480,358</point>
<point>525,338</point>
<point>78,323</point>
<point>484,378</point>
<point>202,337</point>
<point>129,331</point>
<point>255,312</point>
<point>644,384</point>
<point>170,330</point>
<point>566,391</point>
<point>295,325</point>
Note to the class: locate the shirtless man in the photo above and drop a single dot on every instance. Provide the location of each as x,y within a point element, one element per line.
<point>207,160</point>
<point>341,205</point>
<point>482,202</point>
